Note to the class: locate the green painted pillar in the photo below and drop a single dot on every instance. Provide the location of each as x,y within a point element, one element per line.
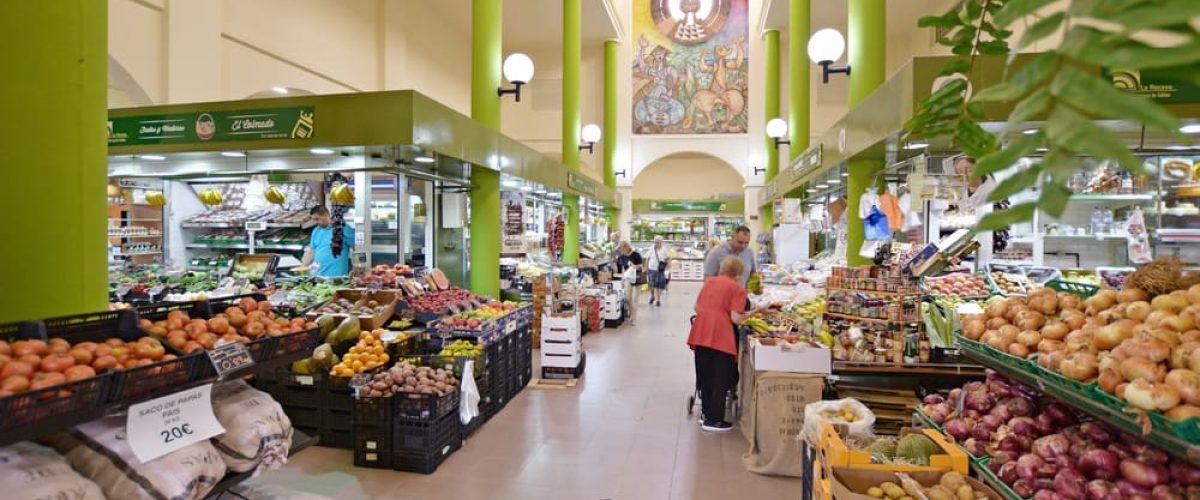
<point>799,27</point>
<point>486,58</point>
<point>53,133</point>
<point>771,101</point>
<point>611,72</point>
<point>867,46</point>
<point>571,54</point>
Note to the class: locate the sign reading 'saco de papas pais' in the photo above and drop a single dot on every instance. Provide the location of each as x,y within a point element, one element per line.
<point>216,126</point>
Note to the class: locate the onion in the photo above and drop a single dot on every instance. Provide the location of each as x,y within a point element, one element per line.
<point>1074,320</point>
<point>1048,495</point>
<point>1070,484</point>
<point>958,428</point>
<point>974,328</point>
<point>1055,330</point>
<point>1109,380</point>
<point>1023,426</point>
<point>1020,406</point>
<point>979,401</point>
<point>1153,349</point>
<point>1007,472</point>
<point>1028,466</point>
<point>1180,354</point>
<point>1014,443</point>
<point>1044,424</point>
<point>955,395</point>
<point>1062,415</point>
<point>933,398</point>
<point>1144,475</point>
<point>1048,345</point>
<point>1185,474</point>
<point>1001,457</point>
<point>1167,492</point>
<point>1187,383</point>
<point>1080,366</point>
<point>1113,334</point>
<point>1169,337</point>
<point>1132,295</point>
<point>1078,448</point>
<point>1183,412</point>
<point>997,308</point>
<point>1002,412</point>
<point>1139,368</point>
<point>1030,320</point>
<point>1051,446</point>
<point>1024,488</point>
<point>1148,396</point>
<point>1099,489</point>
<point>1129,489</point>
<point>981,432</point>
<point>1169,302</point>
<point>976,448</point>
<point>1099,464</point>
<point>1147,454</point>
<point>1018,349</point>
<point>972,414</point>
<point>1095,433</point>
<point>1138,311</point>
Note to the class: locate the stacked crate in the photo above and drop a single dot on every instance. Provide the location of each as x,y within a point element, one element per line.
<point>561,346</point>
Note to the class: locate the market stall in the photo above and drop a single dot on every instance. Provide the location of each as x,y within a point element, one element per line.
<point>688,229</point>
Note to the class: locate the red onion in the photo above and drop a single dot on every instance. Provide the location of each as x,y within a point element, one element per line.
<point>1078,448</point>
<point>1044,423</point>
<point>1185,474</point>
<point>1099,489</point>
<point>955,394</point>
<point>1099,464</point>
<point>1144,475</point>
<point>958,428</point>
<point>1028,466</point>
<point>1020,406</point>
<point>1051,446</point>
<point>1044,483</point>
<point>1065,462</point>
<point>979,401</point>
<point>976,448</point>
<point>974,387</point>
<point>1062,415</point>
<point>1001,457</point>
<point>989,423</point>
<point>1024,488</point>
<point>973,414</point>
<point>1121,450</point>
<point>1024,426</point>
<point>1128,489</point>
<point>990,375</point>
<point>1014,443</point>
<point>1072,433</point>
<point>1167,492</point>
<point>1007,472</point>
<point>998,388</point>
<point>1001,412</point>
<point>1096,433</point>
<point>994,466</point>
<point>1193,491</point>
<point>1147,454</point>
<point>1070,484</point>
<point>933,398</point>
<point>1048,495</point>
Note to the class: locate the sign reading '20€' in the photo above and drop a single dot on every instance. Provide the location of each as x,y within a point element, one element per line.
<point>216,126</point>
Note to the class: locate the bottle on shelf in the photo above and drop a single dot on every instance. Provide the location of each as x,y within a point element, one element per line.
<point>1108,221</point>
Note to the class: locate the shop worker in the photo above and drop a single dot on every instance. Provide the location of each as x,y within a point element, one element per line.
<point>738,245</point>
<point>328,254</point>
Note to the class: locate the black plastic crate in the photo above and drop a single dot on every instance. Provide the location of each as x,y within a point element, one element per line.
<point>334,438</point>
<point>338,420</point>
<point>422,446</point>
<point>291,389</point>
<point>373,412</point>
<point>373,448</point>
<point>414,406</point>
<point>303,417</point>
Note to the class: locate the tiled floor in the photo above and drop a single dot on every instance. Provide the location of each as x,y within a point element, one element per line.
<point>623,433</point>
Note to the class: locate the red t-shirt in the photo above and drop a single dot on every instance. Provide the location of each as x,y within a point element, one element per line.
<point>713,328</point>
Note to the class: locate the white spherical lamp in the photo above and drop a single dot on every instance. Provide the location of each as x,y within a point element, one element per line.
<point>824,47</point>
<point>591,133</point>
<point>777,128</point>
<point>518,68</point>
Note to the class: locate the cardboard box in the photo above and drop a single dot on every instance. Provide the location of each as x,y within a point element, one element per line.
<point>360,297</point>
<point>796,358</point>
<point>603,276</point>
<point>852,484</point>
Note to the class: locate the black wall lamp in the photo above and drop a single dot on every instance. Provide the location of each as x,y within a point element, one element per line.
<point>825,47</point>
<point>777,129</point>
<point>590,135</point>
<point>518,70</point>
<point>619,173</point>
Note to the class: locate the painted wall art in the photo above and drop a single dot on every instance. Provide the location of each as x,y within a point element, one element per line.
<point>690,67</point>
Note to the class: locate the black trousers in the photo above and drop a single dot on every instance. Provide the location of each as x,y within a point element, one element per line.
<point>716,374</point>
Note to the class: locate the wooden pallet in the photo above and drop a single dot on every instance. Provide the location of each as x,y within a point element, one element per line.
<point>554,383</point>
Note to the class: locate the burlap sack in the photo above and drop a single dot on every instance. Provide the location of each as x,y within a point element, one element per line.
<point>778,419</point>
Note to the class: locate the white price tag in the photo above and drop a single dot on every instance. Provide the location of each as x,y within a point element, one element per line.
<point>968,308</point>
<point>510,327</point>
<point>161,426</point>
<point>391,224</point>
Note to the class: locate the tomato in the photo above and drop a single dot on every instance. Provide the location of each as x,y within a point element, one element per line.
<point>192,346</point>
<point>264,306</point>
<point>177,339</point>
<point>180,315</point>
<point>44,380</point>
<point>144,323</point>
<point>207,340</point>
<point>195,329</point>
<point>88,346</point>
<point>174,324</point>
<point>60,346</point>
<point>24,347</point>
<point>79,372</point>
<point>218,325</point>
<point>16,368</point>
<point>15,383</point>
<point>102,350</point>
<point>247,304</point>
<point>254,330</point>
<point>104,363</point>
<point>82,356</point>
<point>114,342</point>
<point>5,348</point>
<point>146,350</point>
<point>32,359</point>
<point>57,362</point>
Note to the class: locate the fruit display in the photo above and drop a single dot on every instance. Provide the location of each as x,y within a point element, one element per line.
<point>305,294</point>
<point>462,348</point>
<point>369,353</point>
<point>1022,326</point>
<point>342,194</point>
<point>29,365</point>
<point>1082,276</point>
<point>951,486</point>
<point>440,301</point>
<point>406,377</point>
<point>211,197</point>
<point>156,198</point>
<point>959,285</point>
<point>248,320</point>
<point>384,276</point>
<point>1011,283</point>
<point>341,305</point>
<point>811,310</point>
<point>472,319</point>
<point>275,195</point>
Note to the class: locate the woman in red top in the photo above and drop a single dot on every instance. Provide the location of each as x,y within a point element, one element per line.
<point>721,303</point>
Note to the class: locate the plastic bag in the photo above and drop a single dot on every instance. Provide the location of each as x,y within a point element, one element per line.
<point>830,411</point>
<point>875,226</point>
<point>468,407</point>
<point>1138,243</point>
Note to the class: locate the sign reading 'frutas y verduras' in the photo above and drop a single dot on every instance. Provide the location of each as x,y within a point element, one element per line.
<point>216,126</point>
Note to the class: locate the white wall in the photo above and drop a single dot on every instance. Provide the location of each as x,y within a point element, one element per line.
<point>706,177</point>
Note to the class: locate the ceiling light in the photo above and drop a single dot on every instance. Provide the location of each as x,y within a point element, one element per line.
<point>233,154</point>
<point>591,133</point>
<point>825,47</point>
<point>822,186</point>
<point>777,128</point>
<point>845,174</point>
<point>811,190</point>
<point>1191,128</point>
<point>518,70</point>
<point>279,89</point>
<point>424,159</point>
<point>526,189</point>
<point>321,151</point>
<point>1030,131</point>
<point>917,145</point>
<point>153,157</point>
<point>835,181</point>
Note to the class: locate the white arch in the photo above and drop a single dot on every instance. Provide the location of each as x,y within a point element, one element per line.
<point>291,91</point>
<point>120,79</point>
<point>733,150</point>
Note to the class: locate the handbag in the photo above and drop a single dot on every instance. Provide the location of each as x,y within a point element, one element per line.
<point>662,263</point>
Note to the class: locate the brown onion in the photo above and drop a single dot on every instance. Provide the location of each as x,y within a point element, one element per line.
<point>1113,334</point>
<point>1150,396</point>
<point>1153,349</point>
<point>1029,338</point>
<point>1109,380</point>
<point>1069,301</point>
<point>1132,295</point>
<point>1138,368</point>
<point>974,328</point>
<point>1172,303</point>
<point>1178,322</point>
<point>1183,412</point>
<point>1138,311</point>
<point>1180,354</point>
<point>1074,320</point>
<point>1055,330</point>
<point>1080,366</point>
<point>1018,350</point>
<point>997,308</point>
<point>1193,294</point>
<point>1187,382</point>
<point>1048,345</point>
<point>996,323</point>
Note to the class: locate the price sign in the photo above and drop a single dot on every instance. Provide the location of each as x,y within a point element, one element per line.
<point>230,357</point>
<point>161,426</point>
<point>510,327</point>
<point>256,225</point>
<point>968,308</point>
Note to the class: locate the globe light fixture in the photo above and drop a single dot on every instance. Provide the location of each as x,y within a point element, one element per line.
<point>824,48</point>
<point>777,129</point>
<point>518,70</point>
<point>590,134</point>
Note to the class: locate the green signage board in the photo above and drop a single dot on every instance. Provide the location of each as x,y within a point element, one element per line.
<point>216,126</point>
<point>1160,86</point>
<point>689,206</point>
<point>581,184</point>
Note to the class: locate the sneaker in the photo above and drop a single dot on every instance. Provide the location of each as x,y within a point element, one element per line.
<point>719,426</point>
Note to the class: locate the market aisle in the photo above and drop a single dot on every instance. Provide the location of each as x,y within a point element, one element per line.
<point>622,434</point>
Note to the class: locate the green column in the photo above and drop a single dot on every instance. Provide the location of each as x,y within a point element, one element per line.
<point>771,101</point>
<point>611,72</point>
<point>799,27</point>
<point>484,223</point>
<point>867,47</point>
<point>53,133</point>
<point>572,41</point>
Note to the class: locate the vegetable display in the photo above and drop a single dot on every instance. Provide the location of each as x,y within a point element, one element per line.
<point>29,365</point>
<point>248,320</point>
<point>1022,326</point>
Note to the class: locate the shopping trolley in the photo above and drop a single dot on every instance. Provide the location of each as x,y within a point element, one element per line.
<point>732,405</point>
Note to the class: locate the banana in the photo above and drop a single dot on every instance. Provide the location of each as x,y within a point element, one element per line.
<point>342,195</point>
<point>275,195</point>
<point>156,198</point>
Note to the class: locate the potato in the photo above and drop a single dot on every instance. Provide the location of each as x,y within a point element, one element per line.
<point>875,492</point>
<point>965,492</point>
<point>940,493</point>
<point>952,481</point>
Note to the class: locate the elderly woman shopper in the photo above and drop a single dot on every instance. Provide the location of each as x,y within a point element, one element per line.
<point>633,276</point>
<point>720,305</point>
<point>659,261</point>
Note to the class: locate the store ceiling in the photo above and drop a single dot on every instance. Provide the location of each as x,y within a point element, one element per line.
<point>901,16</point>
<point>537,24</point>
